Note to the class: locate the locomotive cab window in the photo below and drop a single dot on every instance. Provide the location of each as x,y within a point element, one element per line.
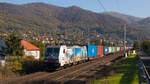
<point>52,53</point>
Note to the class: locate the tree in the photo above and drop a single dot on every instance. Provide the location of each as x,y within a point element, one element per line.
<point>137,45</point>
<point>41,46</point>
<point>146,46</point>
<point>14,44</point>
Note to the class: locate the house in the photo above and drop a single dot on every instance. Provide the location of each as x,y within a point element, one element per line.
<point>30,49</point>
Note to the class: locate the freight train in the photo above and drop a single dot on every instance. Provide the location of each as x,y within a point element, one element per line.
<point>67,55</point>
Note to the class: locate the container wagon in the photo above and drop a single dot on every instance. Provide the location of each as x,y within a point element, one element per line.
<point>92,51</point>
<point>68,55</point>
<point>113,49</point>
<point>106,50</point>
<point>100,51</point>
<point>122,48</point>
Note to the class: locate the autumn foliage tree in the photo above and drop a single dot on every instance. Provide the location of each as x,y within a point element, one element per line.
<point>14,44</point>
<point>41,46</point>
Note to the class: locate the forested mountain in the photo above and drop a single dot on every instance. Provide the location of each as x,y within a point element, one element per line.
<point>45,18</point>
<point>129,19</point>
<point>144,22</point>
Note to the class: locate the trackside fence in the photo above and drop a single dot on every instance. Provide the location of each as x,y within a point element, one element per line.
<point>143,74</point>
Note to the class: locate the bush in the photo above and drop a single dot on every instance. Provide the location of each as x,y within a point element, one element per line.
<point>13,58</point>
<point>17,66</point>
<point>14,63</point>
<point>137,45</point>
<point>146,46</point>
<point>30,58</point>
<point>29,66</point>
<point>25,65</point>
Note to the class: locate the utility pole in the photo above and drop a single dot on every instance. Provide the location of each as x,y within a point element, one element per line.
<point>88,37</point>
<point>125,26</point>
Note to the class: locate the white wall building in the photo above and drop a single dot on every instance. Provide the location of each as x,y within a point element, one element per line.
<point>30,49</point>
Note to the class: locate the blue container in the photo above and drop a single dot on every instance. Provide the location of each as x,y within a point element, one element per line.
<point>106,50</point>
<point>92,50</point>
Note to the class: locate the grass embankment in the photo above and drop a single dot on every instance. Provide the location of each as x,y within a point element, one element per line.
<point>123,72</point>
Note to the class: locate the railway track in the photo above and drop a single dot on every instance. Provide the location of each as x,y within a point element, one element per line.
<point>144,68</point>
<point>71,75</point>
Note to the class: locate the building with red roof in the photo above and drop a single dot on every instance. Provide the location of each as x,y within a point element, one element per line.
<point>30,49</point>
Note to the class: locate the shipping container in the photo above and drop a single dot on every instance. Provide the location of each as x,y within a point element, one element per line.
<point>109,49</point>
<point>118,49</point>
<point>113,49</point>
<point>106,50</point>
<point>92,51</point>
<point>100,52</point>
<point>122,48</point>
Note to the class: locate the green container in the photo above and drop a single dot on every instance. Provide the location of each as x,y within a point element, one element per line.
<point>113,49</point>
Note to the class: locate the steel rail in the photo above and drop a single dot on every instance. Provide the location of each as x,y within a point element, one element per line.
<point>144,70</point>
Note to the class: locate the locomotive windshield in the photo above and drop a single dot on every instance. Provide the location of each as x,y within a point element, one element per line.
<point>52,53</point>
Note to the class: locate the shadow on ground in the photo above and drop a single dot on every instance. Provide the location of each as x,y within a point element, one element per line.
<point>126,67</point>
<point>56,82</point>
<point>131,65</point>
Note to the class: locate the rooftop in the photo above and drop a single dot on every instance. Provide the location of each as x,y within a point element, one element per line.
<point>28,45</point>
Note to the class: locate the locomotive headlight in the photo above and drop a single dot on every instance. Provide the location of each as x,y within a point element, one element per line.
<point>45,60</point>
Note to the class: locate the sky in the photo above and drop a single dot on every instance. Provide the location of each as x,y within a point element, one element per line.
<point>138,8</point>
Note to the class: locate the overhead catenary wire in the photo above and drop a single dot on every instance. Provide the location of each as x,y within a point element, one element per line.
<point>125,30</point>
<point>118,5</point>
<point>101,4</point>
